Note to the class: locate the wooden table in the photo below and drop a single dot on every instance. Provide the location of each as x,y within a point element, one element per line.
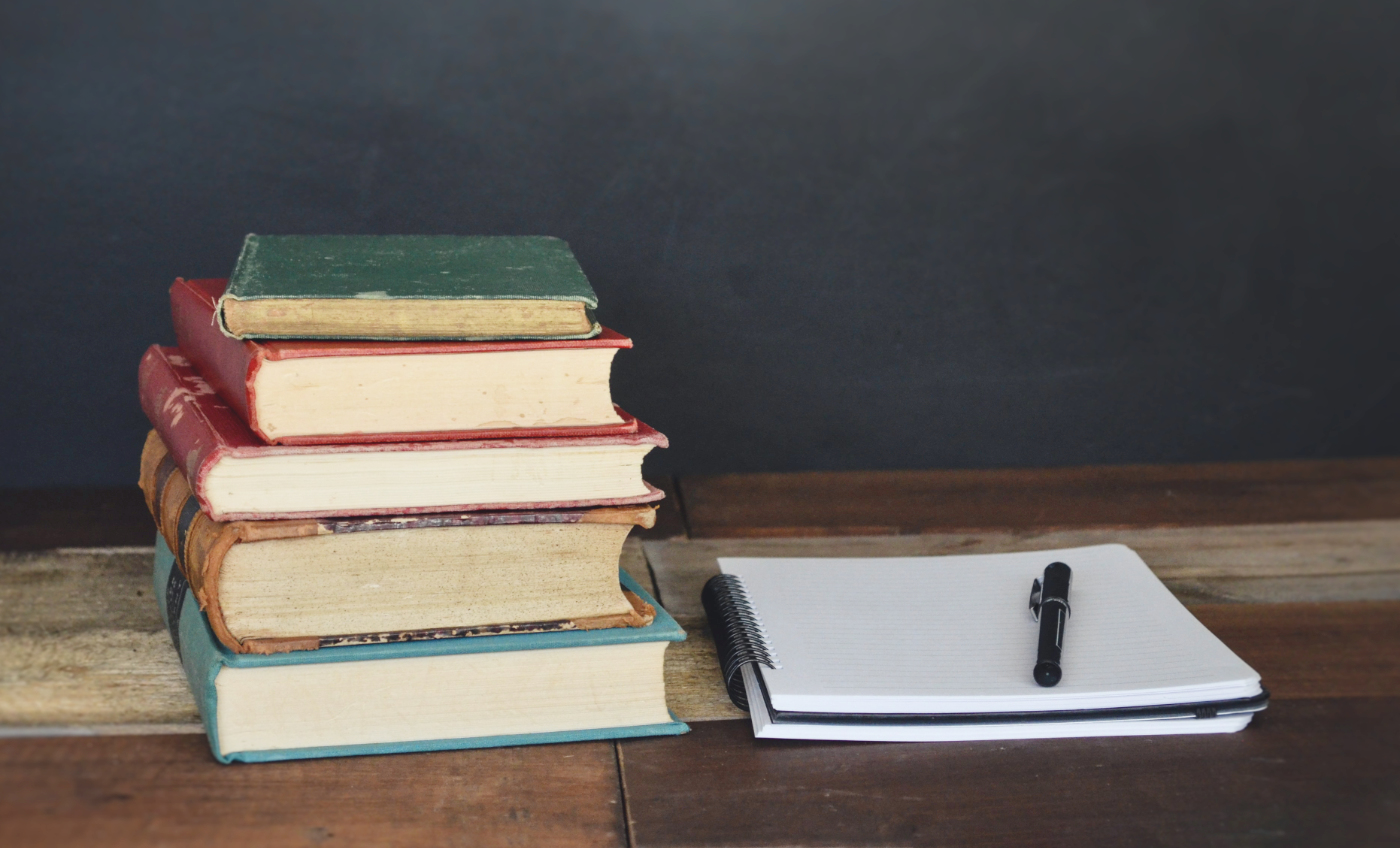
<point>1321,767</point>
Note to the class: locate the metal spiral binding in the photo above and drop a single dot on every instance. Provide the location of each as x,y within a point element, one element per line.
<point>740,636</point>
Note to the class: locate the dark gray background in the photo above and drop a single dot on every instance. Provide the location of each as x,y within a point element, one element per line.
<point>843,235</point>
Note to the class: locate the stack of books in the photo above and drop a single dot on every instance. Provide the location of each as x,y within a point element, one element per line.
<point>391,490</point>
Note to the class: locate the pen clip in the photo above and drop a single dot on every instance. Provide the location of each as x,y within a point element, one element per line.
<point>1035,599</point>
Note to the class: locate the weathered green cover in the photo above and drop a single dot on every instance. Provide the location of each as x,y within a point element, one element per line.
<point>412,268</point>
<point>203,657</point>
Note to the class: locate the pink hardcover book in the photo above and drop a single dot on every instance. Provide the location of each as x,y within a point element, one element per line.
<point>351,392</point>
<point>235,475</point>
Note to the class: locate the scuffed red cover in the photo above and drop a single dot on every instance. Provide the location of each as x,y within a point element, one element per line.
<point>229,365</point>
<point>200,429</point>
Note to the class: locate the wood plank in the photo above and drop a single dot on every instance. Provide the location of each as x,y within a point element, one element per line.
<point>887,502</point>
<point>1308,772</point>
<point>1315,650</point>
<point>694,689</point>
<point>168,790</point>
<point>1325,561</point>
<point>36,519</point>
<point>83,648</point>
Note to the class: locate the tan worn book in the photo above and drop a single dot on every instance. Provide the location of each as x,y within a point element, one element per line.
<point>296,584</point>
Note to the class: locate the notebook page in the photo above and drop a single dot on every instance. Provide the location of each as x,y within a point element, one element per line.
<point>954,634</point>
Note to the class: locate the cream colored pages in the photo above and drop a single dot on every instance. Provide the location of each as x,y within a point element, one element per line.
<point>954,634</point>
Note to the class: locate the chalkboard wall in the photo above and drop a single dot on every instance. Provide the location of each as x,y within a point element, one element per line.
<point>843,235</point>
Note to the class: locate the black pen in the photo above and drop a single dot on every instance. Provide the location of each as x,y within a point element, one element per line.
<point>1050,605</point>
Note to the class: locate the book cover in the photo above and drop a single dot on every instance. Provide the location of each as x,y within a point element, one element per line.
<point>200,544</point>
<point>202,657</point>
<point>231,366</point>
<point>201,430</point>
<point>376,271</point>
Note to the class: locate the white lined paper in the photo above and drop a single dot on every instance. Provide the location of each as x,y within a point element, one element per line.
<point>954,634</point>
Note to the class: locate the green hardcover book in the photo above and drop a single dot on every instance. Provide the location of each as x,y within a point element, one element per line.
<point>473,692</point>
<point>403,288</point>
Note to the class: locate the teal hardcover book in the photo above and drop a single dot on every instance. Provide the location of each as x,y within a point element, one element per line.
<point>408,288</point>
<point>474,692</point>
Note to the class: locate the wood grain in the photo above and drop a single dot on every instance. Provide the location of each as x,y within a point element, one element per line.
<point>861,503</point>
<point>83,647</point>
<point>694,689</point>
<point>167,790</point>
<point>1325,561</point>
<point>1317,768</point>
<point>1305,773</point>
<point>1327,650</point>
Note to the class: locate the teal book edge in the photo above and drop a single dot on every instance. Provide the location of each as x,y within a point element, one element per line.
<point>202,657</point>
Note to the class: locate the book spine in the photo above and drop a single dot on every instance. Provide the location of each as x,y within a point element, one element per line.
<point>227,363</point>
<point>199,543</point>
<point>172,408</point>
<point>740,637</point>
<point>247,257</point>
<point>199,657</point>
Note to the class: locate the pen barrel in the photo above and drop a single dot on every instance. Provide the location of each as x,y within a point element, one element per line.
<point>1054,614</point>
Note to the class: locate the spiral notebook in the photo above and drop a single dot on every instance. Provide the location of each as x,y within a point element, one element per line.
<point>941,648</point>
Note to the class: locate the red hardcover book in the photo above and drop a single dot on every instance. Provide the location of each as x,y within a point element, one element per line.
<point>347,392</point>
<point>237,476</point>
